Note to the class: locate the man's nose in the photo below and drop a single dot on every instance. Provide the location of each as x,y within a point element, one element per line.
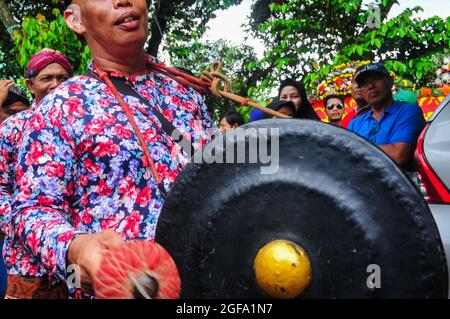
<point>122,3</point>
<point>371,84</point>
<point>54,83</point>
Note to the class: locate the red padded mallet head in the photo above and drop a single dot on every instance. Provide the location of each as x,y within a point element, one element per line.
<point>138,270</point>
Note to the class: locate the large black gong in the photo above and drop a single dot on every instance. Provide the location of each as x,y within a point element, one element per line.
<point>337,196</point>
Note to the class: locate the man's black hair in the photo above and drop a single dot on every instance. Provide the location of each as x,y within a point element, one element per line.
<point>234,117</point>
<point>332,96</point>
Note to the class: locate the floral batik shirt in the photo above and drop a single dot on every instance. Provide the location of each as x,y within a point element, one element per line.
<point>10,137</point>
<point>81,168</point>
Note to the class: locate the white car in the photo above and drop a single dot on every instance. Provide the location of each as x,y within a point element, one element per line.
<point>433,158</point>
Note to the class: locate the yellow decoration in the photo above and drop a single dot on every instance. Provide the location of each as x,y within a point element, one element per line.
<point>282,269</point>
<point>40,18</point>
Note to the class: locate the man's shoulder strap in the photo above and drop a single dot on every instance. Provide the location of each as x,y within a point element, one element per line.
<point>166,125</point>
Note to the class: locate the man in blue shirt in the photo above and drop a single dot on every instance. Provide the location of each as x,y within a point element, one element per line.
<point>393,126</point>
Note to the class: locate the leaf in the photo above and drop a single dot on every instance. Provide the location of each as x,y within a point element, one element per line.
<point>437,38</point>
<point>378,43</point>
<point>419,75</point>
<point>359,49</point>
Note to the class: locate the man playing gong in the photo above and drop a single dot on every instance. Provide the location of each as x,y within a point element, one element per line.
<point>96,169</point>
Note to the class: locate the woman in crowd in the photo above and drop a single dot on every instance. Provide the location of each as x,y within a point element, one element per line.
<point>291,90</point>
<point>294,91</point>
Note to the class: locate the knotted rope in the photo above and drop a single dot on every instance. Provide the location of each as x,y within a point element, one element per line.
<point>215,82</point>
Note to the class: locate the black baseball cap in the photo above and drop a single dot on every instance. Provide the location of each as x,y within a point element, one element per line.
<point>371,68</point>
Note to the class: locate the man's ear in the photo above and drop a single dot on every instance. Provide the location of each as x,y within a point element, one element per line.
<point>30,86</point>
<point>72,16</point>
<point>391,82</point>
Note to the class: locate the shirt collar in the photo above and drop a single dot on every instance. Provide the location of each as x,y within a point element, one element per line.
<point>392,108</point>
<point>389,110</point>
<point>148,58</point>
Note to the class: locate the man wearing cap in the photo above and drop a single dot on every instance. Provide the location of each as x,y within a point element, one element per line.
<point>98,159</point>
<point>46,70</point>
<point>392,125</point>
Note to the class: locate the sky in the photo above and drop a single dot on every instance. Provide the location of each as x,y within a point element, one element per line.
<point>228,24</point>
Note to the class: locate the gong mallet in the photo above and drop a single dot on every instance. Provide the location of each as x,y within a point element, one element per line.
<point>138,270</point>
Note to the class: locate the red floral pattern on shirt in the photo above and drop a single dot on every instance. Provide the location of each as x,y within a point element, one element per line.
<point>80,167</point>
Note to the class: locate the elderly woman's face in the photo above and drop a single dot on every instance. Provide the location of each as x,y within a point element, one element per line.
<point>112,24</point>
<point>290,93</point>
<point>47,80</point>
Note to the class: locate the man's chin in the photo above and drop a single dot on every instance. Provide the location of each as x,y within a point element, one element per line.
<point>375,101</point>
<point>132,41</point>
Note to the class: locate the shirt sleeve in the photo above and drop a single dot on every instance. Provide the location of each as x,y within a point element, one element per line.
<point>5,178</point>
<point>40,214</point>
<point>409,126</point>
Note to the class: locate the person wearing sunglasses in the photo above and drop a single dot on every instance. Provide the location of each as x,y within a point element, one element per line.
<point>334,108</point>
<point>393,125</point>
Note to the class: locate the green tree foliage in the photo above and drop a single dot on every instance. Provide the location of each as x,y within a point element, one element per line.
<point>198,56</point>
<point>304,37</point>
<point>407,45</point>
<point>182,19</point>
<point>37,33</point>
<point>9,66</point>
